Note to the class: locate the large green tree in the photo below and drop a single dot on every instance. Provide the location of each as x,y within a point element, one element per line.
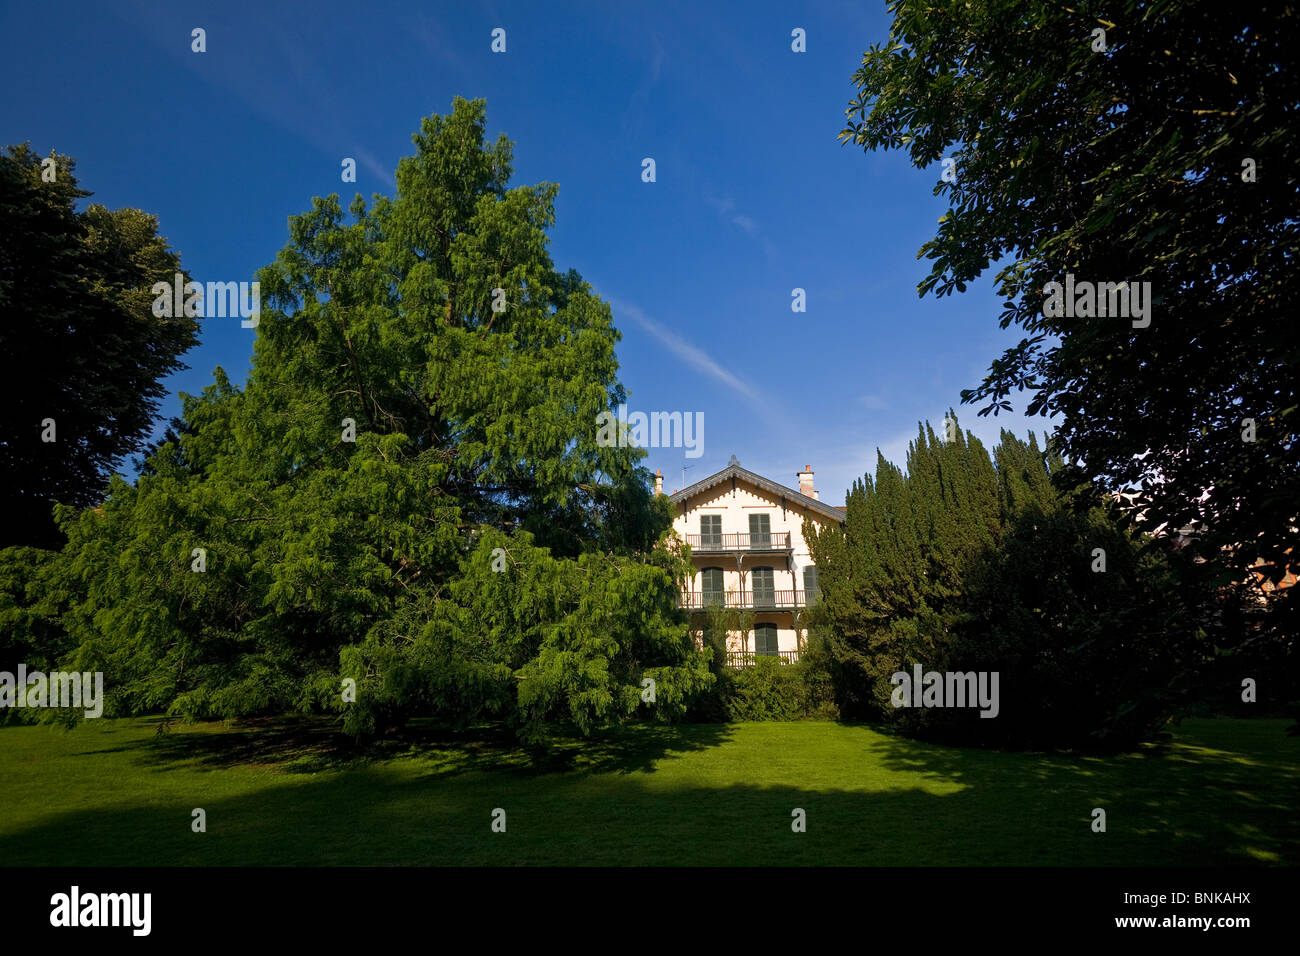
<point>82,356</point>
<point>969,563</point>
<point>408,492</point>
<point>1123,141</point>
<point>892,580</point>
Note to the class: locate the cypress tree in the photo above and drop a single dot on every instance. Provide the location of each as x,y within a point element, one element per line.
<point>961,564</point>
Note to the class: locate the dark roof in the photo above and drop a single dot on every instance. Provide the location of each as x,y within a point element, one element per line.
<point>733,470</point>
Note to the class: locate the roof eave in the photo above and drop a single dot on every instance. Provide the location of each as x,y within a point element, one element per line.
<point>772,487</point>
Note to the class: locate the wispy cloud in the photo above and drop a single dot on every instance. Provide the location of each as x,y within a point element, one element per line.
<point>692,355</point>
<point>277,80</point>
<point>442,41</point>
<point>726,208</point>
<point>376,168</point>
<point>634,114</point>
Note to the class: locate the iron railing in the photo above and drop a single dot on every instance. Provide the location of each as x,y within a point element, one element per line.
<point>758,541</point>
<point>760,600</point>
<point>749,658</point>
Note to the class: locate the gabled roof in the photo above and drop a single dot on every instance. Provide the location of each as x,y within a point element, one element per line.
<point>733,470</point>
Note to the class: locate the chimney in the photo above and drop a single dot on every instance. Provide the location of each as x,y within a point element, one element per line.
<point>659,481</point>
<point>806,483</point>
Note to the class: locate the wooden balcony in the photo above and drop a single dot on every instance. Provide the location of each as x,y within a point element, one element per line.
<point>745,541</point>
<point>749,658</point>
<point>748,600</point>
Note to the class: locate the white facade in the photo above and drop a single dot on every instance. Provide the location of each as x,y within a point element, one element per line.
<point>749,552</point>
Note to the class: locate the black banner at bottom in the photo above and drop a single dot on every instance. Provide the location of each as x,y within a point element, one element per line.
<point>334,905</point>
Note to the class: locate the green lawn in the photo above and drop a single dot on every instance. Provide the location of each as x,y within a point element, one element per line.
<point>118,793</point>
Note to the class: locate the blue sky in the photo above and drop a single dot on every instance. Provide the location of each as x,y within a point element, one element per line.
<point>754,194</point>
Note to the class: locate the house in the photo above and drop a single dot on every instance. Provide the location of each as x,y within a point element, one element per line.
<point>747,545</point>
<point>1265,583</point>
<point>1260,574</point>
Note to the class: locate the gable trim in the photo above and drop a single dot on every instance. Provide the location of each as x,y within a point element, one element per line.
<point>783,494</point>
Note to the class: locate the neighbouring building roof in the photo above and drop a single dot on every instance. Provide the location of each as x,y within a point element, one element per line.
<point>733,470</point>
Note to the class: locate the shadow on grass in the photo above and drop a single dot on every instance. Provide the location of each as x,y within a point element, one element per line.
<point>310,746</point>
<point>1199,803</point>
<point>366,818</point>
<point>1236,778</point>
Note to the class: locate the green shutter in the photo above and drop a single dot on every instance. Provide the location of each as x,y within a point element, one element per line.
<point>711,585</point>
<point>810,588</point>
<point>711,531</point>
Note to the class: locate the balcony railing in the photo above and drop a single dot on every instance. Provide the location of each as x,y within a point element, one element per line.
<point>748,600</point>
<point>748,658</point>
<point>758,541</point>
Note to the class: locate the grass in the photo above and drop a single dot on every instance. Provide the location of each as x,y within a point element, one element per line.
<point>117,793</point>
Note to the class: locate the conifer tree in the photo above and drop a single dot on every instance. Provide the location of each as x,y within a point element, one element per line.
<point>408,493</point>
<point>961,565</point>
<point>82,355</point>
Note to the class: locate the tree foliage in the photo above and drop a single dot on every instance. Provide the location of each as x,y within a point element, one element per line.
<point>78,340</point>
<point>472,553</point>
<point>896,569</point>
<point>969,563</point>
<point>1158,152</point>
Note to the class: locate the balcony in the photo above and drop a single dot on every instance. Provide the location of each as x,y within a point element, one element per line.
<point>753,542</point>
<point>749,658</point>
<point>748,600</point>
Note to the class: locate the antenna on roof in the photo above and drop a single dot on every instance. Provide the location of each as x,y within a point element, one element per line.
<point>685,468</point>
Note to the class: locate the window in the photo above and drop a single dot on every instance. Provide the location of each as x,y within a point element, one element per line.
<point>761,579</point>
<point>810,589</point>
<point>765,644</point>
<point>710,531</point>
<point>711,585</point>
<point>760,531</point>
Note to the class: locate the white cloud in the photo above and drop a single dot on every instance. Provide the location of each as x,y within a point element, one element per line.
<point>692,355</point>
<point>726,209</point>
<point>376,168</point>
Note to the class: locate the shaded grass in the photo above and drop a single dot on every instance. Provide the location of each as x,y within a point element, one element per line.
<point>1218,791</point>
